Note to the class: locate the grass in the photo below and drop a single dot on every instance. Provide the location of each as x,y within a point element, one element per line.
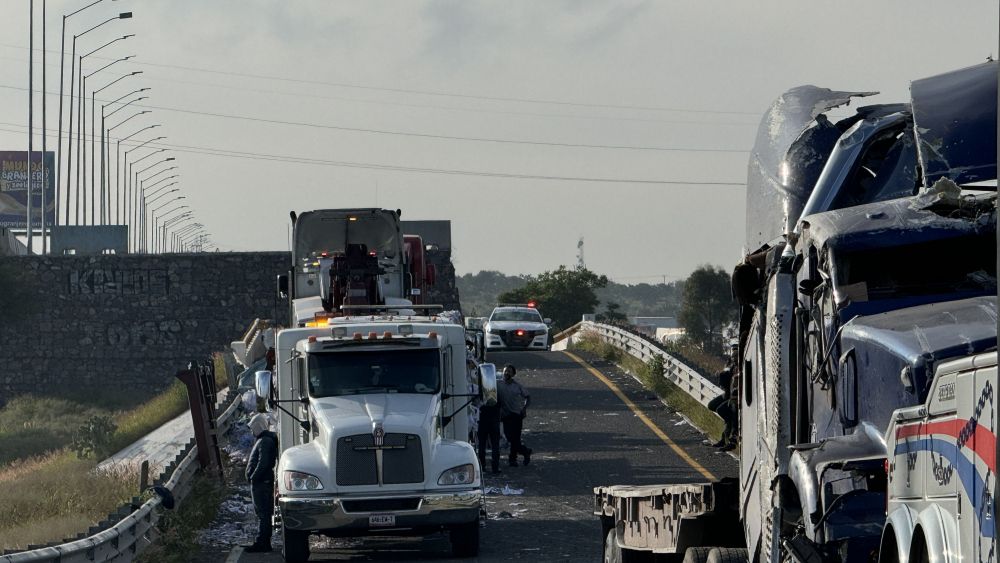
<point>32,425</point>
<point>178,530</point>
<point>652,378</point>
<point>46,492</point>
<point>52,497</point>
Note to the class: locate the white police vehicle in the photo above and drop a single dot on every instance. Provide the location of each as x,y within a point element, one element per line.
<point>516,327</point>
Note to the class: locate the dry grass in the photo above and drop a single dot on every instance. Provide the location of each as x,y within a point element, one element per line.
<point>51,497</point>
<point>32,426</point>
<point>704,419</point>
<point>46,492</point>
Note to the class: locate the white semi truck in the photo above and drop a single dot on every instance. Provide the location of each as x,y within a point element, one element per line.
<point>371,393</point>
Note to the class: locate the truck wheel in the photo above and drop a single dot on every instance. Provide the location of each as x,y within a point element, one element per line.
<point>727,555</point>
<point>295,545</point>
<point>613,553</point>
<point>465,539</point>
<point>697,554</point>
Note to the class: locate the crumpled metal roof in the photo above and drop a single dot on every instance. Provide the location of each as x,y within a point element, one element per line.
<point>955,118</point>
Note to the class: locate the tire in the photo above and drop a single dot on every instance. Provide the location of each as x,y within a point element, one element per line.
<point>727,555</point>
<point>465,539</point>
<point>295,545</point>
<point>697,554</point>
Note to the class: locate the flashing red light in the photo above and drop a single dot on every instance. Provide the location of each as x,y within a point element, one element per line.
<point>531,303</point>
<point>372,253</point>
<point>520,332</point>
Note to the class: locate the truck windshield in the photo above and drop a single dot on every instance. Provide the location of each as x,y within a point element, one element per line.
<point>374,371</point>
<point>517,316</point>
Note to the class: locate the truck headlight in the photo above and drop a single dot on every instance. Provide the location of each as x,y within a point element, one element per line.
<point>461,475</point>
<point>295,481</point>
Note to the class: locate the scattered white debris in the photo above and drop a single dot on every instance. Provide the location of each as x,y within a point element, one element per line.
<point>505,491</point>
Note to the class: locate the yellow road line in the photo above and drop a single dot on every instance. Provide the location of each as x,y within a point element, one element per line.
<point>645,419</point>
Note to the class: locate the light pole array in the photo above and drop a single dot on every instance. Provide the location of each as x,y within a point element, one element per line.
<point>72,80</point>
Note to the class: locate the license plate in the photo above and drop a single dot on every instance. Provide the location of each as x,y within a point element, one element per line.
<point>382,520</point>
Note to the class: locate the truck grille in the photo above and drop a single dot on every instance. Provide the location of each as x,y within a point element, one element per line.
<point>357,462</point>
<point>403,465</point>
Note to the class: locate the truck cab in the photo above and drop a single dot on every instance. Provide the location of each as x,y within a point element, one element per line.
<point>941,503</point>
<point>373,428</point>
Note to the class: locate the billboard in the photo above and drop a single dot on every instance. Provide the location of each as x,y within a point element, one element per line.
<point>14,188</point>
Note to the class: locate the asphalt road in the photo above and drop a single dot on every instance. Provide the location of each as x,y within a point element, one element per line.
<point>583,436</point>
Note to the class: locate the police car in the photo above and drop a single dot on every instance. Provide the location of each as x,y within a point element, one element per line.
<point>516,327</point>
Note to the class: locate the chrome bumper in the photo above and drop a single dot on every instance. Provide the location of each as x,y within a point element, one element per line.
<point>327,512</point>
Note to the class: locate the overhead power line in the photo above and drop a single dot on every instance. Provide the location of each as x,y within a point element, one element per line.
<point>416,169</point>
<point>428,106</point>
<point>430,92</point>
<point>420,134</point>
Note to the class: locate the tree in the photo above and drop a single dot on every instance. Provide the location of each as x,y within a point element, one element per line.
<point>564,295</point>
<point>612,315</point>
<point>707,307</point>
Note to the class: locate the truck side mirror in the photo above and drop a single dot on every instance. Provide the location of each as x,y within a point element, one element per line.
<point>488,384</point>
<point>283,286</point>
<point>262,385</point>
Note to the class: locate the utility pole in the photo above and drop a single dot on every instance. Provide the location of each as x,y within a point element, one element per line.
<point>45,172</point>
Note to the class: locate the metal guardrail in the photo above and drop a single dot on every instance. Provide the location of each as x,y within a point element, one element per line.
<point>679,373</point>
<point>134,531</point>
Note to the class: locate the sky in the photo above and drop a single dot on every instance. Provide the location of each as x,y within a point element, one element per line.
<point>527,124</point>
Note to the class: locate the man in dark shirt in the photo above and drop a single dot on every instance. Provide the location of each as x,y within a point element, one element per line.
<point>260,475</point>
<point>514,401</point>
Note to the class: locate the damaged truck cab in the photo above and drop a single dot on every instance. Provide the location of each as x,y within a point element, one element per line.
<point>872,261</point>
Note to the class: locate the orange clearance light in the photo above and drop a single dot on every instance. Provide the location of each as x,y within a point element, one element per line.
<point>357,336</point>
<point>432,334</point>
<point>312,339</point>
<point>372,335</point>
<point>387,335</point>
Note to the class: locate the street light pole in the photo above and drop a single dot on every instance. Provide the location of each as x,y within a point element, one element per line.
<point>31,112</point>
<point>120,183</point>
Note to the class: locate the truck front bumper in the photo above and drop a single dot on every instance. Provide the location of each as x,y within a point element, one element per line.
<point>426,511</point>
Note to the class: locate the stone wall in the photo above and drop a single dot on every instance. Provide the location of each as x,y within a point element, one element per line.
<point>128,320</point>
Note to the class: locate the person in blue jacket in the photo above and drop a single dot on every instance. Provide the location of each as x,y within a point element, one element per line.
<point>260,475</point>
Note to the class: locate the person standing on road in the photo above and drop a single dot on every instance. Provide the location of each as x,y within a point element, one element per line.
<point>260,475</point>
<point>514,401</point>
